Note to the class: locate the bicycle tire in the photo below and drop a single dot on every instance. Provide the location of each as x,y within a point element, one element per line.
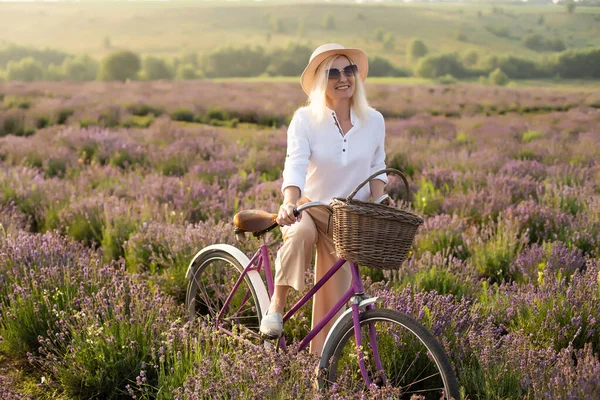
<point>404,341</point>
<point>213,277</point>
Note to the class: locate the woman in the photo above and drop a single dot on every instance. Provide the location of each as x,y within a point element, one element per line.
<point>334,143</point>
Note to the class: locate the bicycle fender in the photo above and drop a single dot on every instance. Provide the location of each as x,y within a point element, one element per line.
<point>341,321</point>
<point>254,276</point>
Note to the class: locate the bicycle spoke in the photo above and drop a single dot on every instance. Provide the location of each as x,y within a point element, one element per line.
<point>214,279</point>
<point>421,380</point>
<point>410,362</point>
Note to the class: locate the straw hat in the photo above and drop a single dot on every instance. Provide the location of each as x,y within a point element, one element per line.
<point>357,56</point>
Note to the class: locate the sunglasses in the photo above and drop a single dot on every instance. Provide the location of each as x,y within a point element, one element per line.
<point>349,71</point>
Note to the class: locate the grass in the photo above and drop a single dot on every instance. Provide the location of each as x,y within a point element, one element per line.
<point>169,28</point>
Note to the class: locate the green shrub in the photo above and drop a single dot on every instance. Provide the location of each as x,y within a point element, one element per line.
<point>436,65</point>
<point>85,227</point>
<point>34,160</point>
<point>416,49</point>
<point>62,115</point>
<point>34,309</point>
<point>154,68</point>
<point>115,232</point>
<point>174,167</point>
<point>135,121</point>
<point>428,199</point>
<point>470,58</point>
<point>124,159</point>
<point>110,117</point>
<point>28,70</point>
<point>461,36</point>
<point>287,61</point>
<point>46,56</point>
<point>537,42</point>
<point>440,280</point>
<point>87,122</point>
<point>496,247</point>
<point>182,114</point>
<point>328,22</point>
<point>555,45</point>
<point>42,121</point>
<point>217,113</point>
<point>581,63</point>
<point>446,80</point>
<point>564,198</point>
<point>462,138</point>
<point>88,152</point>
<point>225,62</point>
<point>530,136</point>
<point>400,161</point>
<point>143,109</point>
<point>498,77</point>
<point>54,73</point>
<point>119,66</point>
<point>379,66</point>
<point>389,42</point>
<point>186,72</point>
<point>81,68</point>
<point>515,67</point>
<point>17,102</point>
<point>12,124</point>
<point>277,25</point>
<point>526,154</point>
<point>56,167</point>
<point>499,30</point>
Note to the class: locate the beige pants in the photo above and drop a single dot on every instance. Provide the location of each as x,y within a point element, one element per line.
<point>295,256</point>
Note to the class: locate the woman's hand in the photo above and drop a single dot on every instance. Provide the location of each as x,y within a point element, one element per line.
<point>286,214</point>
<point>389,202</point>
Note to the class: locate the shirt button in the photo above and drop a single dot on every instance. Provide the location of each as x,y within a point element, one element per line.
<point>344,140</point>
<point>344,150</point>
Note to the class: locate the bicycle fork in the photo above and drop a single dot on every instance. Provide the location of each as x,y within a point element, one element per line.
<point>359,345</point>
<point>355,302</point>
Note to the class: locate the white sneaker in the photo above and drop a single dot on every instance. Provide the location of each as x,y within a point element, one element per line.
<point>272,325</point>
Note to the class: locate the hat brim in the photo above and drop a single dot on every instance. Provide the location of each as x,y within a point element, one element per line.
<point>357,56</point>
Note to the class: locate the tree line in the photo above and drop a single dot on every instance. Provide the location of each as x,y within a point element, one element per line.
<point>26,64</point>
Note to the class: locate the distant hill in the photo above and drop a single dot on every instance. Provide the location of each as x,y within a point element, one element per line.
<point>170,28</point>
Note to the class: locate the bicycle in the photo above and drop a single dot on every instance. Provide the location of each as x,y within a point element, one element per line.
<point>401,352</point>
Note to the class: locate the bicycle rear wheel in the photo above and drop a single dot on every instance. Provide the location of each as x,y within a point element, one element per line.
<point>412,360</point>
<point>213,278</point>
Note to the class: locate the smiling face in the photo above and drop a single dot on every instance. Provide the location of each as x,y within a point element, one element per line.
<point>343,87</point>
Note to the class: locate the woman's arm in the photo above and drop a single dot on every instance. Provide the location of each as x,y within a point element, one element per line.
<point>377,186</point>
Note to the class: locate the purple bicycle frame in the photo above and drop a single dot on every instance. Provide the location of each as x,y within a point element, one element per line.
<point>261,258</point>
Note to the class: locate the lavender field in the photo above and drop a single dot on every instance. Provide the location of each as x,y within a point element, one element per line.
<point>108,190</point>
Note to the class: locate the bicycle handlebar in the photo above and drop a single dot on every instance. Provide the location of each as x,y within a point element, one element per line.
<point>311,204</point>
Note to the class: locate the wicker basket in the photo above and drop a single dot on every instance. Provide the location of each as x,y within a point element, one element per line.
<point>370,234</point>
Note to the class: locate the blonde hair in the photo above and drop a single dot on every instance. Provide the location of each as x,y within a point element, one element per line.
<point>317,100</point>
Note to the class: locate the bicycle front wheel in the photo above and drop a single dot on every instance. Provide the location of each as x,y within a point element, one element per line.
<point>412,362</point>
<point>213,278</point>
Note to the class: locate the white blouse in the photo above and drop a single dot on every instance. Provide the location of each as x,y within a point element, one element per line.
<point>324,163</point>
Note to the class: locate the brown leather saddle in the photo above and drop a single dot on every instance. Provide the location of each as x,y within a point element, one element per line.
<point>257,222</point>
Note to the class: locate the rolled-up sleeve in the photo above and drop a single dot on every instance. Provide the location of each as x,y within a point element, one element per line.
<point>378,162</point>
<point>297,155</point>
